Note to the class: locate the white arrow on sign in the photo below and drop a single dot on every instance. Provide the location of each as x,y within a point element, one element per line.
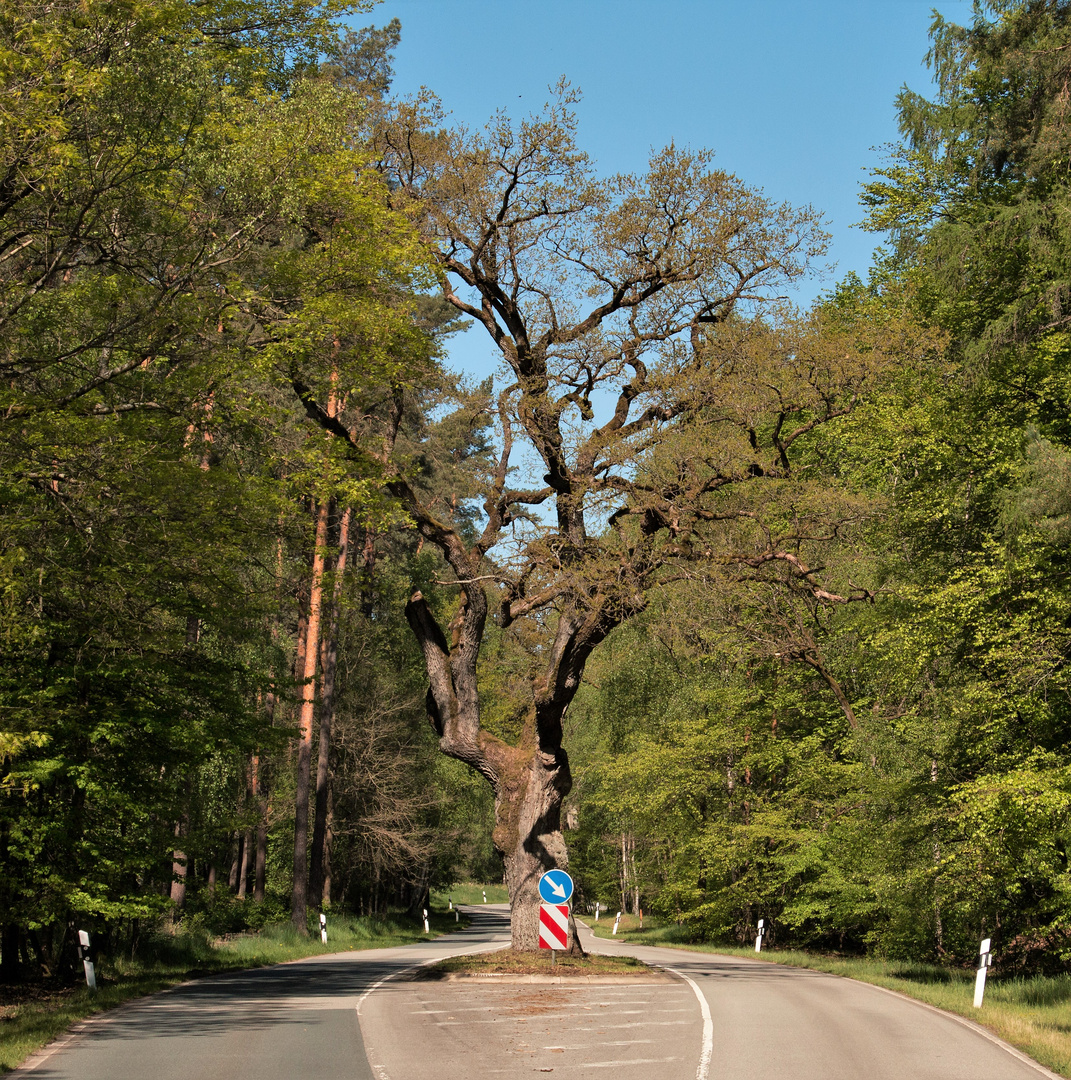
<point>558,890</point>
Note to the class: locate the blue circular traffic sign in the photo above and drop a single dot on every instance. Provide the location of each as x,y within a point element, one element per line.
<point>555,887</point>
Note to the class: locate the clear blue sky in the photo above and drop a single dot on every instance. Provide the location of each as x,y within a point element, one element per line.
<point>795,96</point>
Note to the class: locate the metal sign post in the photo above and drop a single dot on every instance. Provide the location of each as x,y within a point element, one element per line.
<point>985,961</point>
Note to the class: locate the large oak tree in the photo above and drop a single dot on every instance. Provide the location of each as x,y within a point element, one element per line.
<point>666,411</point>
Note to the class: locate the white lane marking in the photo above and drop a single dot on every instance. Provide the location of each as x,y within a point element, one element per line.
<point>618,1064</point>
<point>707,1050</point>
<point>640,1023</point>
<point>587,1046</point>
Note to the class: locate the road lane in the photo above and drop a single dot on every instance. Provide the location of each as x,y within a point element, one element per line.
<point>770,1022</point>
<point>291,1021</point>
<point>488,1027</point>
<point>347,1017</point>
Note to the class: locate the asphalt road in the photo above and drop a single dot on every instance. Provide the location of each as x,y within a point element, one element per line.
<point>768,1022</point>
<point>345,1017</point>
<point>294,1021</point>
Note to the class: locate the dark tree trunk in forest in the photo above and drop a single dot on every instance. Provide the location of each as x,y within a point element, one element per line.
<point>260,862</point>
<point>329,836</point>
<point>327,713</point>
<point>243,871</point>
<point>179,867</point>
<point>9,953</point>
<point>236,861</point>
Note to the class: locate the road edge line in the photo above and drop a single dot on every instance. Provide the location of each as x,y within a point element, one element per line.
<point>979,1029</point>
<point>706,1051</point>
<point>972,1025</point>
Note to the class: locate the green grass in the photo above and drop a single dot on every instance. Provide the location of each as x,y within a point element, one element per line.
<point>1033,1014</point>
<point>167,959</point>
<point>470,892</point>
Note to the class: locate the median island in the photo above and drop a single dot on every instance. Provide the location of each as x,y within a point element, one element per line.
<point>512,965</point>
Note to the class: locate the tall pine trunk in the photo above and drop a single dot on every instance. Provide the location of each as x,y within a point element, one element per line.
<point>327,712</point>
<point>299,900</point>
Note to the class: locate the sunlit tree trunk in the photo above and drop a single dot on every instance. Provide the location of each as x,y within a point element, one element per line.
<point>299,900</point>
<point>327,712</point>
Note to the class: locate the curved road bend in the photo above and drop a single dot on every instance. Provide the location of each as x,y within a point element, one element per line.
<point>769,1022</point>
<point>295,1021</point>
<point>731,1019</point>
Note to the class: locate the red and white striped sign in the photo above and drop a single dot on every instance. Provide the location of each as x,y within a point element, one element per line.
<point>553,926</point>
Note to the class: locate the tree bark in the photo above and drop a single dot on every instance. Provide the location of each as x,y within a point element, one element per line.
<point>236,861</point>
<point>299,900</point>
<point>179,868</point>
<point>329,835</point>
<point>327,714</point>
<point>261,861</point>
<point>530,780</point>
<point>243,872</point>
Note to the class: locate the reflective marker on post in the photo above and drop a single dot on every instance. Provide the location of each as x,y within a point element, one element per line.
<point>86,954</point>
<point>985,961</point>
<point>758,938</point>
<point>553,926</point>
<point>323,927</point>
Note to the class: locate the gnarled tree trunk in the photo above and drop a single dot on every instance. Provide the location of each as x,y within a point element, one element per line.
<point>528,836</point>
<point>529,780</point>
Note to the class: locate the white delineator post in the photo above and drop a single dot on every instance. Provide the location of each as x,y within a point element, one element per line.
<point>985,960</point>
<point>758,937</point>
<point>427,929</point>
<point>451,907</point>
<point>617,923</point>
<point>596,910</point>
<point>457,915</point>
<point>485,896</point>
<point>323,927</point>
<point>87,963</point>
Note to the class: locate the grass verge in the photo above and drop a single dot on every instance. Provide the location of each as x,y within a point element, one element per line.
<point>470,892</point>
<point>1033,1014</point>
<point>32,1016</point>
